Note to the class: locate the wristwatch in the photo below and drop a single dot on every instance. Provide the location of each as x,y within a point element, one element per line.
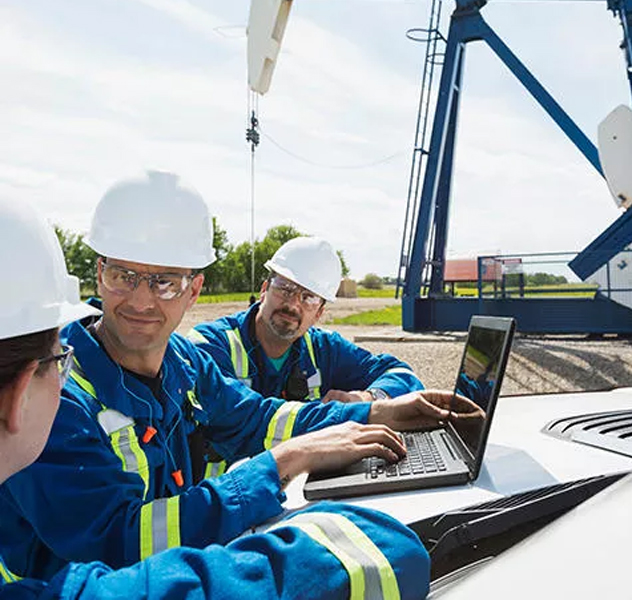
<point>378,394</point>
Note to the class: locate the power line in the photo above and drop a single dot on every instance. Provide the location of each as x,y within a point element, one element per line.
<point>330,166</point>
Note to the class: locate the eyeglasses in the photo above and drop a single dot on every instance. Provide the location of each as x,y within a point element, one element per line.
<point>165,286</point>
<point>287,290</point>
<point>63,360</point>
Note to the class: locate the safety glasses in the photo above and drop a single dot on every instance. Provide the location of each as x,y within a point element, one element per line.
<point>63,360</point>
<point>287,290</point>
<point>165,286</point>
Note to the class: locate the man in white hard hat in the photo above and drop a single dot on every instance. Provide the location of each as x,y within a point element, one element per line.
<point>33,366</point>
<point>275,348</point>
<point>145,414</point>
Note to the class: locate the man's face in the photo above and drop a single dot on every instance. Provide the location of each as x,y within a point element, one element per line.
<point>286,308</point>
<point>35,401</point>
<point>139,320</point>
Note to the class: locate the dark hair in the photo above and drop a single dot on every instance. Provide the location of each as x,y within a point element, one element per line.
<point>19,351</point>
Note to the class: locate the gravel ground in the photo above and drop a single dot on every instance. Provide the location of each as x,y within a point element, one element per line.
<point>538,364</point>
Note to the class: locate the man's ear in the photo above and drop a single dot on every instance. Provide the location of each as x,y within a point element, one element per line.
<point>12,398</point>
<point>99,275</point>
<point>262,291</point>
<point>321,310</point>
<point>196,289</point>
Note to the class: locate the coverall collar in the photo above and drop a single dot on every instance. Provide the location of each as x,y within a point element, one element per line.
<point>122,390</point>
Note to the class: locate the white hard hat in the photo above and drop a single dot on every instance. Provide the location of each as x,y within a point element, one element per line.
<point>310,262</point>
<point>38,293</point>
<point>154,221</point>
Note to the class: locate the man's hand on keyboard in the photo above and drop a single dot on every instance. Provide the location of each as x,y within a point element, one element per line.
<point>336,447</point>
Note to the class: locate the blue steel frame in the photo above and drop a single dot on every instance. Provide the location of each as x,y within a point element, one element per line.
<point>623,9</point>
<point>435,312</point>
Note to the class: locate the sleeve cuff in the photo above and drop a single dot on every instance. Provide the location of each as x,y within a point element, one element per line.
<point>356,411</point>
<point>259,489</point>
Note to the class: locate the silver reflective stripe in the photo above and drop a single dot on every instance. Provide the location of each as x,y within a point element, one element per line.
<point>400,370</point>
<point>159,525</point>
<point>196,337</point>
<point>314,382</point>
<point>112,420</point>
<point>372,582</point>
<point>124,446</point>
<point>313,385</point>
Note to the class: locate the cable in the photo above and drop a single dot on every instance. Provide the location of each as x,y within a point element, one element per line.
<point>253,137</point>
<point>326,166</point>
<point>174,464</point>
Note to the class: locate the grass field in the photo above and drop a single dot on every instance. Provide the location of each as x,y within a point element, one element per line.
<point>217,298</point>
<point>387,292</point>
<point>391,315</point>
<point>573,290</point>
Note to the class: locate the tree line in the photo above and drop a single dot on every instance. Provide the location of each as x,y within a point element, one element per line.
<point>231,272</point>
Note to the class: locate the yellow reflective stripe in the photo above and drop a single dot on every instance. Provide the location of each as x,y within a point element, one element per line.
<point>214,469</point>
<point>193,399</point>
<point>310,347</point>
<point>233,351</point>
<point>159,526</point>
<point>146,534</point>
<point>390,589</point>
<point>6,574</point>
<point>173,522</point>
<point>281,424</point>
<point>116,446</point>
<point>126,447</point>
<point>238,354</point>
<point>355,550</point>
<point>314,393</point>
<point>141,458</point>
<point>78,375</point>
<point>196,337</point>
<point>353,568</point>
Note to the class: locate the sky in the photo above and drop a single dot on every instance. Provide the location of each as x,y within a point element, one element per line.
<point>100,90</point>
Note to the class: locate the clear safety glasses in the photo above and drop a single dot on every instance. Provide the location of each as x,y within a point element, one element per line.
<point>287,290</point>
<point>63,360</point>
<point>165,286</point>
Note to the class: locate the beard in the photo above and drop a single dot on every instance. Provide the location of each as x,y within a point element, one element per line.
<point>283,328</point>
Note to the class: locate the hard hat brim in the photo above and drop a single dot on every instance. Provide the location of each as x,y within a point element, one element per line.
<point>287,273</point>
<point>54,317</point>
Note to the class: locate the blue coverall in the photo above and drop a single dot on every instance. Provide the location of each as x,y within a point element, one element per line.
<point>327,360</point>
<point>329,551</point>
<point>115,482</point>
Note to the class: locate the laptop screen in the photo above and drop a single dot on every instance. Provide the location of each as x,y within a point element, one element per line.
<point>479,378</point>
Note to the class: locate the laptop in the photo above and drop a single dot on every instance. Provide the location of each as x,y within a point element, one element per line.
<point>452,452</point>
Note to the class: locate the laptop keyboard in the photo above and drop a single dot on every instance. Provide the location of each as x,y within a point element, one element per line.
<point>422,457</point>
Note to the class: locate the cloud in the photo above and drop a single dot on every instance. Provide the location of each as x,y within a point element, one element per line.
<point>82,109</point>
<point>188,14</point>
